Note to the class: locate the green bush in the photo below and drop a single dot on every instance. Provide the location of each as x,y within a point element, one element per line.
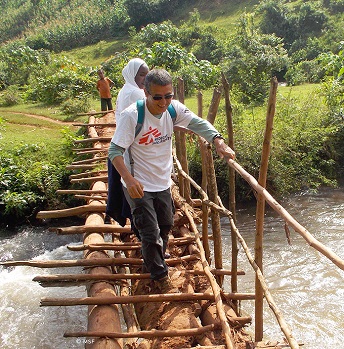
<point>29,176</point>
<point>10,96</point>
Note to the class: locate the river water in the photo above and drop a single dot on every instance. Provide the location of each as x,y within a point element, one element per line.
<point>307,288</point>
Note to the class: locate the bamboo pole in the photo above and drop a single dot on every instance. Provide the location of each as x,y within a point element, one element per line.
<point>126,276</point>
<point>92,113</point>
<point>68,212</point>
<point>90,179</point>
<point>110,124</point>
<point>283,325</point>
<point>147,334</point>
<point>327,252</point>
<point>101,228</point>
<point>89,173</point>
<point>91,247</point>
<point>93,151</point>
<point>232,201</point>
<point>91,263</point>
<point>212,186</point>
<point>214,105</point>
<point>73,263</point>
<point>93,140</point>
<point>180,138</point>
<point>90,161</point>
<point>260,210</point>
<point>90,197</point>
<point>127,309</point>
<point>80,191</point>
<point>216,288</point>
<point>151,298</point>
<point>205,212</point>
<point>81,167</point>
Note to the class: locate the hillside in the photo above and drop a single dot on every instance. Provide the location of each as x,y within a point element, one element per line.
<point>62,24</point>
<point>50,52</point>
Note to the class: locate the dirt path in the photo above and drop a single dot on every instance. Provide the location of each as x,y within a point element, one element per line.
<point>42,117</point>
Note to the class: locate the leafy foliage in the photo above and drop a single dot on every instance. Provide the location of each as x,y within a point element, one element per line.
<point>251,61</point>
<point>29,178</point>
<point>60,24</point>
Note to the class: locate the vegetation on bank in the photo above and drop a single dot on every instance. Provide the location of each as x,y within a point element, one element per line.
<point>299,42</point>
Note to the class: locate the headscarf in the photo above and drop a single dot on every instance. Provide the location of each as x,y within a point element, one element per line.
<point>130,70</point>
<point>130,92</point>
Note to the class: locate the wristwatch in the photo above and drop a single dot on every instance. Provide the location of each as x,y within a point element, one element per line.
<point>218,135</point>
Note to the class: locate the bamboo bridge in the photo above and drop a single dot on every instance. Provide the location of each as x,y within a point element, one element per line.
<point>125,311</point>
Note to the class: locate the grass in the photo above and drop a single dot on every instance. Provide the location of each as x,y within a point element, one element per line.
<point>14,134</point>
<point>94,55</point>
<point>36,109</point>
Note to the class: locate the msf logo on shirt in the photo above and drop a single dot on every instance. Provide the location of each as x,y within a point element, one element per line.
<point>148,137</point>
<point>153,136</point>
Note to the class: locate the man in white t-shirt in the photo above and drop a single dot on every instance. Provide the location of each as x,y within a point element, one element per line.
<point>147,178</point>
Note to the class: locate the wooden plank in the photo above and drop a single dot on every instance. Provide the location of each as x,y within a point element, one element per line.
<point>68,212</point>
<point>146,334</point>
<point>93,140</point>
<point>169,297</point>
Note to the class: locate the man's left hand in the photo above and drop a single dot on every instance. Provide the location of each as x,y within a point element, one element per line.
<point>223,150</point>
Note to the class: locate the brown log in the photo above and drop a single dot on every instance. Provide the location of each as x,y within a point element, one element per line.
<point>74,263</point>
<point>101,228</point>
<point>87,174</point>
<point>169,297</point>
<point>93,151</point>
<point>313,242</point>
<point>93,139</point>
<point>110,124</point>
<point>94,262</point>
<point>103,318</point>
<point>81,191</point>
<point>123,276</point>
<point>216,288</point>
<point>90,197</point>
<point>283,325</point>
<point>68,212</point>
<point>90,161</point>
<point>146,334</point>
<point>232,202</point>
<point>81,167</point>
<point>260,210</point>
<point>90,180</point>
<point>92,113</point>
<point>102,247</point>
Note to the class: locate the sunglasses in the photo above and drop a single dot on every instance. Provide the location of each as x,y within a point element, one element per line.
<point>159,98</point>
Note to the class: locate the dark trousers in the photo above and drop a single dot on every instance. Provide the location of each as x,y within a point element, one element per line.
<point>106,104</point>
<point>117,206</point>
<point>153,218</point>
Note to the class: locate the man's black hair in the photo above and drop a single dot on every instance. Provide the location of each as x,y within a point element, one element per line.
<point>157,77</point>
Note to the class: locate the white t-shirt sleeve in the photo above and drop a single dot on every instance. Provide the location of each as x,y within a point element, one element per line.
<point>184,115</point>
<point>125,128</point>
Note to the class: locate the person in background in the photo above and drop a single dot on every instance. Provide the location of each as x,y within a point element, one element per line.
<point>134,74</point>
<point>104,85</point>
<point>148,189</point>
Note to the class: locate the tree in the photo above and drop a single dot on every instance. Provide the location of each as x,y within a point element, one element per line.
<point>252,59</point>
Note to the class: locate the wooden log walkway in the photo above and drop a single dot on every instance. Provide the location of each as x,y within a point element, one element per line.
<point>196,313</point>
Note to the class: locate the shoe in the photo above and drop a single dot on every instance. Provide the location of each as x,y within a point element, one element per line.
<point>107,219</point>
<point>165,285</point>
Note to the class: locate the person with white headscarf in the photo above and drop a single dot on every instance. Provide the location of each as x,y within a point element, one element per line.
<point>134,74</point>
